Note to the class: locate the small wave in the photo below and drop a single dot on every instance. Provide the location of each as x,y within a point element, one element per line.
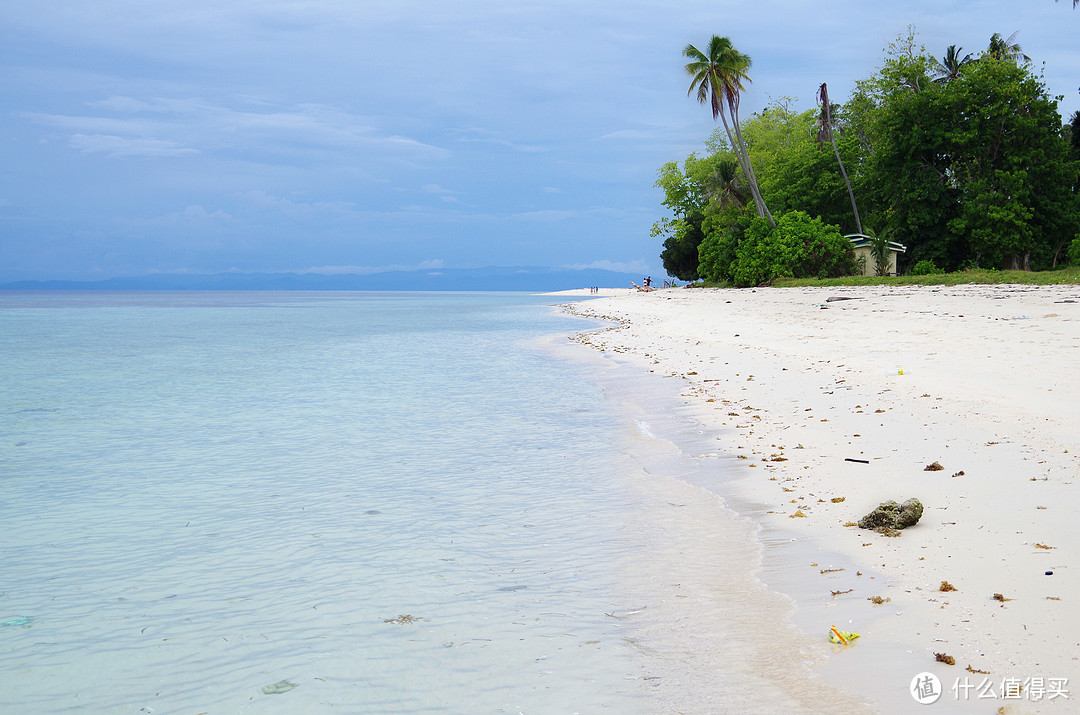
<point>644,428</point>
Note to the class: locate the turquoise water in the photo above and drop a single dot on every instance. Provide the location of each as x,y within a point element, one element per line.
<point>262,502</point>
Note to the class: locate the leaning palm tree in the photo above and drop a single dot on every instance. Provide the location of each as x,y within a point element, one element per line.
<point>717,79</point>
<point>948,67</point>
<point>825,134</point>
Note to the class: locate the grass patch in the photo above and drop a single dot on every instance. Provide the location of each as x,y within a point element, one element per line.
<point>1061,276</point>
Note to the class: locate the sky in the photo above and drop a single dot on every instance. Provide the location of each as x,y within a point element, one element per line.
<point>359,136</point>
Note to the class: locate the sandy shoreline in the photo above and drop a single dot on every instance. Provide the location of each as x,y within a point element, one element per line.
<point>979,379</point>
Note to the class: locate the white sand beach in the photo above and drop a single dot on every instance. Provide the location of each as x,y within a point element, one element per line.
<point>827,408</point>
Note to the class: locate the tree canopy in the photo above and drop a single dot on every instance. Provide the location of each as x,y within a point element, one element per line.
<point>963,159</point>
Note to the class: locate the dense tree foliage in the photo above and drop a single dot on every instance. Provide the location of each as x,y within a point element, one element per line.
<point>972,171</point>
<point>965,160</point>
<point>799,246</point>
<point>696,193</point>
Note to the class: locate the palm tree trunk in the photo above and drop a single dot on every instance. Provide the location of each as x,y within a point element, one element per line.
<point>759,201</point>
<point>826,109</point>
<point>740,156</point>
<point>847,182</point>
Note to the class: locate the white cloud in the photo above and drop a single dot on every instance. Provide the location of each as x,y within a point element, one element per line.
<point>446,195</point>
<point>129,126</point>
<point>128,146</point>
<point>479,135</point>
<point>193,215</point>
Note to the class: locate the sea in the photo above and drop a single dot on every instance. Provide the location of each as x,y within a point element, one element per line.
<point>262,502</point>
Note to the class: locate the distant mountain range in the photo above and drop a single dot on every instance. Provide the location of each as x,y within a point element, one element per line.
<point>497,278</point>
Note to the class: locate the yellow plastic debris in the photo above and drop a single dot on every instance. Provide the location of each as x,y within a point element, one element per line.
<point>843,637</point>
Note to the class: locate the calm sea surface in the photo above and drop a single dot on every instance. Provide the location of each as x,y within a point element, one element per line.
<point>367,503</point>
<point>287,503</point>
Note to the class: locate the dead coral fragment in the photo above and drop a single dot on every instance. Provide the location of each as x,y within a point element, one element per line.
<point>933,467</point>
<point>890,516</point>
<point>944,658</point>
<point>946,586</point>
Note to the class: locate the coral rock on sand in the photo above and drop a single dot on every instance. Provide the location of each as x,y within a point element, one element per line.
<point>890,515</point>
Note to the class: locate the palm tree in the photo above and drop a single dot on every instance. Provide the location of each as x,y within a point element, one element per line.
<point>1001,49</point>
<point>825,133</point>
<point>723,186</point>
<point>948,67</point>
<point>717,78</point>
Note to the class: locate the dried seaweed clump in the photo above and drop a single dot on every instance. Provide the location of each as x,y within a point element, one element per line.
<point>403,620</point>
<point>889,515</point>
<point>946,586</point>
<point>933,467</point>
<point>944,658</point>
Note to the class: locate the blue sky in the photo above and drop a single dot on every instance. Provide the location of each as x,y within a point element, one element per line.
<point>202,136</point>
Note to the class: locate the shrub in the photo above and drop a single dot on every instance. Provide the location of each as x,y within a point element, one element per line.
<point>1074,251</point>
<point>716,253</point>
<point>799,247</point>
<point>925,268</point>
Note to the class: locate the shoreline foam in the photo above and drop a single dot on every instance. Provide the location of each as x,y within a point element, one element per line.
<point>798,384</point>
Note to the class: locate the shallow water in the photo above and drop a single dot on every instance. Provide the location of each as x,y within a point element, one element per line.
<point>209,494</point>
<point>391,503</point>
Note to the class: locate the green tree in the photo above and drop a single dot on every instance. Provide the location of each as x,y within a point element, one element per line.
<point>680,254</point>
<point>974,170</point>
<point>717,78</point>
<point>703,186</point>
<point>796,173</point>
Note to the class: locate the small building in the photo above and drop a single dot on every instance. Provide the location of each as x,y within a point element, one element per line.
<point>861,244</point>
